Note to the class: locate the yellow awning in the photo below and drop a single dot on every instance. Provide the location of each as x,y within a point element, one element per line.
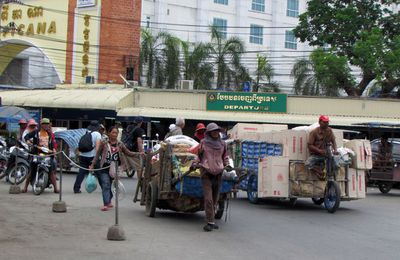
<point>82,99</point>
<point>247,117</point>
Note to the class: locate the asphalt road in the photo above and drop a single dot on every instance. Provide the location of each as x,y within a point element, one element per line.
<point>364,229</point>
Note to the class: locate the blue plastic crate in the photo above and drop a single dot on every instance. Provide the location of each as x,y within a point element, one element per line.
<point>192,187</point>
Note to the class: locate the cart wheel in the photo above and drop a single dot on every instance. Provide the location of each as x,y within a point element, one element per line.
<point>151,199</point>
<point>332,196</point>
<point>385,187</point>
<point>220,209</point>
<point>130,173</point>
<point>318,201</point>
<point>252,189</point>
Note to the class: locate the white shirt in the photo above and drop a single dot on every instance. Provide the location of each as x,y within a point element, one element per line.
<point>95,136</point>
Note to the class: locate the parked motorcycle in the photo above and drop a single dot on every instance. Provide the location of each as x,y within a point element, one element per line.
<point>41,178</point>
<point>3,157</point>
<point>18,166</point>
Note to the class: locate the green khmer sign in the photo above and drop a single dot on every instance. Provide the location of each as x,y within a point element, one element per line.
<point>246,102</point>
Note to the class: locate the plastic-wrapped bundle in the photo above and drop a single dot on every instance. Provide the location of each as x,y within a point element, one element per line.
<point>192,187</point>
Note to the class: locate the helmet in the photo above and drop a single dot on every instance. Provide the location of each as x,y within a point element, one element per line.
<point>22,121</point>
<point>324,118</point>
<point>32,122</point>
<point>45,121</point>
<point>212,127</point>
<point>200,126</point>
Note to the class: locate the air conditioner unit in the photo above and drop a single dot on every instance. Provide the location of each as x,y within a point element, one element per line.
<point>89,79</point>
<point>186,84</point>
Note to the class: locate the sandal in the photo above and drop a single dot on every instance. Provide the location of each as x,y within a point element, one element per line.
<point>109,205</point>
<point>104,208</point>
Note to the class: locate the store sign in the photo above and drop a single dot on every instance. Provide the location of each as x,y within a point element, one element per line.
<point>86,3</point>
<point>247,102</point>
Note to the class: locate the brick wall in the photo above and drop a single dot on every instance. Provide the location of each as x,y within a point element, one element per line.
<point>119,36</point>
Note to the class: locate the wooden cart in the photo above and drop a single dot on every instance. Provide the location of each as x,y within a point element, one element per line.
<point>157,187</point>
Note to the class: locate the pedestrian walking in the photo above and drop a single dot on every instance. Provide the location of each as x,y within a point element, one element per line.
<point>86,158</point>
<point>200,132</point>
<point>212,159</point>
<point>111,153</point>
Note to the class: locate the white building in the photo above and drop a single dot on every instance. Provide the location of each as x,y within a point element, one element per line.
<point>264,25</point>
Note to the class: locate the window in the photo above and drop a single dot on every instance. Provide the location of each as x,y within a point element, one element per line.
<point>221,25</point>
<point>290,40</point>
<point>292,8</point>
<point>258,5</point>
<point>256,34</point>
<point>222,2</point>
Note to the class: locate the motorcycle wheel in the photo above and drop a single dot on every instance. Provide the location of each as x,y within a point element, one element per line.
<point>332,196</point>
<point>3,171</point>
<point>18,174</point>
<point>40,184</point>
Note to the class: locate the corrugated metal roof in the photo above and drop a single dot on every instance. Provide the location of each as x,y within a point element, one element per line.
<point>77,98</point>
<point>247,117</point>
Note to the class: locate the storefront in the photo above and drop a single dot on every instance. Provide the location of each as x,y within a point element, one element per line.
<point>69,41</point>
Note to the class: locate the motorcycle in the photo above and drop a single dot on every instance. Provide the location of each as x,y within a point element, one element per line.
<point>41,178</point>
<point>3,157</point>
<point>17,167</point>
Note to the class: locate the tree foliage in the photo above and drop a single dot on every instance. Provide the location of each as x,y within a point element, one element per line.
<point>362,33</point>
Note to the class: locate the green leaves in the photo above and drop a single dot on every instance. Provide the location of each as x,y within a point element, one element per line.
<point>361,33</point>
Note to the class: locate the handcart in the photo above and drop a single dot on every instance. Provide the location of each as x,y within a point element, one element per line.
<point>291,180</point>
<point>163,187</point>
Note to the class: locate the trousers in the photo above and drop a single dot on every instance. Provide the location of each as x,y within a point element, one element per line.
<point>211,186</point>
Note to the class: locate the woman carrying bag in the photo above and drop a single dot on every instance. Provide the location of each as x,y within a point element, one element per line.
<point>110,154</point>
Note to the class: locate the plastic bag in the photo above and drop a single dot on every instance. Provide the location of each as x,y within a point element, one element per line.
<point>91,183</point>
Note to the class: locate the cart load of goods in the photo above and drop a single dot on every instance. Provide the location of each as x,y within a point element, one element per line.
<point>277,157</point>
<point>182,158</point>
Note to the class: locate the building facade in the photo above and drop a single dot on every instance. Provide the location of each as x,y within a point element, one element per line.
<point>265,26</point>
<point>69,41</point>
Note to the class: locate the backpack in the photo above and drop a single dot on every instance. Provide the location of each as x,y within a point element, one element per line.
<point>85,143</point>
<point>127,139</point>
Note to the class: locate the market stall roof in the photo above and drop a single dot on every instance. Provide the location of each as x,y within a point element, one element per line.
<point>11,114</point>
<point>74,98</point>
<point>246,116</point>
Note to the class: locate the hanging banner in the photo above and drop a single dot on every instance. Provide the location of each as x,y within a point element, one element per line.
<point>247,102</point>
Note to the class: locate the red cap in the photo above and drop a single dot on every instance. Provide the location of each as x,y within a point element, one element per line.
<point>22,121</point>
<point>200,126</point>
<point>324,118</point>
<point>32,122</point>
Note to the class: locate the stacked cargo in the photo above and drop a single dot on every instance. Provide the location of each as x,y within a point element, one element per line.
<point>362,161</point>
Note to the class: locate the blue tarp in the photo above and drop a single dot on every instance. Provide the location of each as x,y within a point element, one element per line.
<point>71,137</point>
<point>10,114</point>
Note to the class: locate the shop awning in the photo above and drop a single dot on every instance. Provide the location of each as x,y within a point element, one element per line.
<point>246,117</point>
<point>81,98</point>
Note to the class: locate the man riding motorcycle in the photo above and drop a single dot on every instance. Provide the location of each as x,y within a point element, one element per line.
<point>42,138</point>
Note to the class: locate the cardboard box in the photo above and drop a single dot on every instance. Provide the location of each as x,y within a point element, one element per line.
<point>295,144</point>
<point>363,157</point>
<point>242,131</point>
<point>352,183</point>
<point>338,137</point>
<point>299,172</point>
<point>273,177</point>
<point>361,192</point>
<point>319,189</point>
<point>273,127</point>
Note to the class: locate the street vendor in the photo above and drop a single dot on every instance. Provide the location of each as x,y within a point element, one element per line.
<point>319,138</point>
<point>213,158</point>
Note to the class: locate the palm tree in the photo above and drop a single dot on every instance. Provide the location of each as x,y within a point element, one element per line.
<point>264,71</point>
<point>158,53</point>
<point>195,64</point>
<point>225,52</point>
<point>171,53</point>
<point>305,82</point>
